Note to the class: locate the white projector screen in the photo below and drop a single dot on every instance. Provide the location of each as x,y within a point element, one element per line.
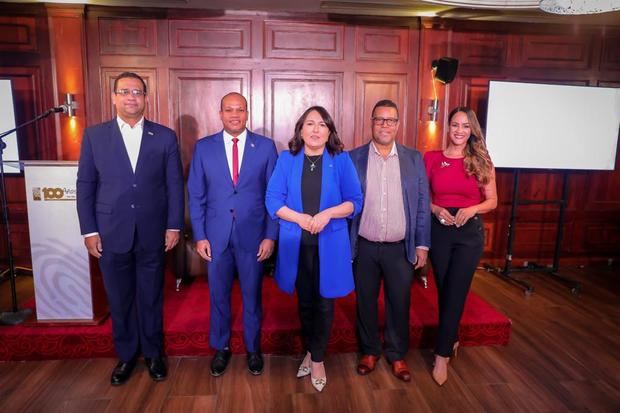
<point>540,126</point>
<point>7,122</point>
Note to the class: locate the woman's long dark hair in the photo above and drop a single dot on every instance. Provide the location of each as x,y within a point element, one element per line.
<point>334,144</point>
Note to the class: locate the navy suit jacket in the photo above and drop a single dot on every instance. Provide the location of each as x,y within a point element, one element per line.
<point>118,203</point>
<point>214,201</point>
<point>416,197</point>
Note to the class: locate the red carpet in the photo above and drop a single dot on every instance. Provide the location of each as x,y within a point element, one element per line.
<point>186,321</point>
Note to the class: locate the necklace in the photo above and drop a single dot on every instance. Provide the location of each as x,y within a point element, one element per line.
<point>313,163</point>
<point>448,155</point>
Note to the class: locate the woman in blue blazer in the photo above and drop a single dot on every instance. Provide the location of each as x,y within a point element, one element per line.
<point>313,190</point>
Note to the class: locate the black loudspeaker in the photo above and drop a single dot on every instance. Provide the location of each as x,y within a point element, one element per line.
<point>445,69</point>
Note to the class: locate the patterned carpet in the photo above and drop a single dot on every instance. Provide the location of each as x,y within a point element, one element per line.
<point>186,322</point>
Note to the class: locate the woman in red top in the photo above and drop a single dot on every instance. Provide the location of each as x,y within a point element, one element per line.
<point>462,183</point>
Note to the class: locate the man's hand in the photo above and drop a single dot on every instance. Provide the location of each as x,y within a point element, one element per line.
<point>172,239</point>
<point>203,248</point>
<point>319,221</point>
<point>265,249</point>
<point>421,255</point>
<point>93,245</point>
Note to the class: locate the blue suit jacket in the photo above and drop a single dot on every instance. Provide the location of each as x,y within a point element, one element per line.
<point>115,201</point>
<point>214,201</point>
<point>339,183</point>
<point>416,197</point>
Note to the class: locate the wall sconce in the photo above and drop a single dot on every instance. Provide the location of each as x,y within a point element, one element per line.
<point>433,108</point>
<point>69,107</point>
<point>443,70</point>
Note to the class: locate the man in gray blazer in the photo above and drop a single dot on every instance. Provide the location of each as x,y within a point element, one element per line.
<point>389,239</point>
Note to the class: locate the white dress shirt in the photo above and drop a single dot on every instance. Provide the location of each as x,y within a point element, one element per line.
<point>132,138</point>
<point>228,145</point>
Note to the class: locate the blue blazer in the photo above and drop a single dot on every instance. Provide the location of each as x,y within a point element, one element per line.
<point>339,183</point>
<point>416,197</point>
<point>214,201</point>
<point>116,202</point>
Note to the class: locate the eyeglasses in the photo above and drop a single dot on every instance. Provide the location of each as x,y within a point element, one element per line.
<point>134,92</point>
<point>386,121</point>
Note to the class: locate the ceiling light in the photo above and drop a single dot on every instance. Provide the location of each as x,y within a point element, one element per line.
<point>579,6</point>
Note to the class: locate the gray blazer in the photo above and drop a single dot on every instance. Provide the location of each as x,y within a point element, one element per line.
<point>416,197</point>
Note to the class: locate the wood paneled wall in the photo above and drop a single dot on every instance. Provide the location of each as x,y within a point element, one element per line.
<point>532,53</point>
<point>285,63</point>
<point>282,65</point>
<point>25,59</point>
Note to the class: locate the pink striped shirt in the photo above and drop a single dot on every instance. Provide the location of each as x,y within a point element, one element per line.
<point>383,216</point>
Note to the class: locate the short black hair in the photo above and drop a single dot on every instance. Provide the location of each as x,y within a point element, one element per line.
<point>126,75</point>
<point>233,94</point>
<point>385,103</point>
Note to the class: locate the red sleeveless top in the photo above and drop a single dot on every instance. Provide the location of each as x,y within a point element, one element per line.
<point>450,185</point>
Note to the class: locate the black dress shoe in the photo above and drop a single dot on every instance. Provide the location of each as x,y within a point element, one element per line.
<point>255,363</point>
<point>220,362</point>
<point>157,368</point>
<point>121,372</point>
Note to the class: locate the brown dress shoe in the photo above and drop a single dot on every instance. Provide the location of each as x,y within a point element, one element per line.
<point>367,364</point>
<point>400,370</point>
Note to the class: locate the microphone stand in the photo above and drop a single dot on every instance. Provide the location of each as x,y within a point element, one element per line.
<point>15,316</point>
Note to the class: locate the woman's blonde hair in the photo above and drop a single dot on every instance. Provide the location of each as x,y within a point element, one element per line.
<point>477,160</point>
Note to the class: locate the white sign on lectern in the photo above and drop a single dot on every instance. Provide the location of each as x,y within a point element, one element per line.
<point>60,266</point>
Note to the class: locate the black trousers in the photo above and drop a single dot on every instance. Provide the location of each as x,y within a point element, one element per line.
<point>316,313</point>
<point>455,254</point>
<point>374,261</point>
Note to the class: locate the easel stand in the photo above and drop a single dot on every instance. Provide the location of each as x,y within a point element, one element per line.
<point>552,271</point>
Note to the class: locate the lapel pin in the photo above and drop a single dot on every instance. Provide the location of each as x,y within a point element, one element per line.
<point>150,133</point>
<point>252,145</point>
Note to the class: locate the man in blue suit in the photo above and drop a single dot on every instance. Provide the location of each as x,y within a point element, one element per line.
<point>130,207</point>
<point>226,187</point>
<point>389,238</point>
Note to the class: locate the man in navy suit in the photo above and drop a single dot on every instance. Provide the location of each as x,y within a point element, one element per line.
<point>226,187</point>
<point>130,206</point>
<point>389,238</point>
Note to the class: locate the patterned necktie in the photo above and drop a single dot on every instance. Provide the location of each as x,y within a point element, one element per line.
<point>235,161</point>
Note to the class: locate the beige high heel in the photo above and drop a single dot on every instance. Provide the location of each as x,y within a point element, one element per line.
<point>440,370</point>
<point>318,383</point>
<point>304,367</point>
